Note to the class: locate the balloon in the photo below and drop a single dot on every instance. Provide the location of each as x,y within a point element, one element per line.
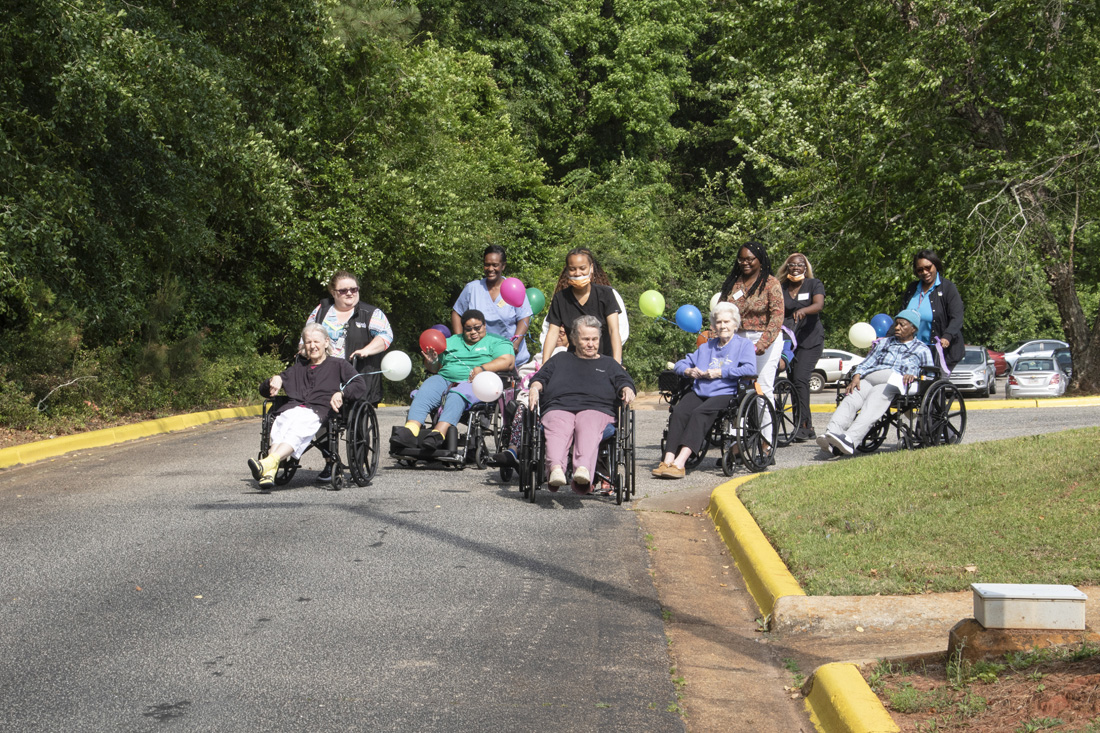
<point>443,330</point>
<point>487,386</point>
<point>396,365</point>
<point>689,318</point>
<point>714,300</point>
<point>513,292</point>
<point>652,303</point>
<point>882,323</point>
<point>861,334</point>
<point>536,298</point>
<point>433,339</point>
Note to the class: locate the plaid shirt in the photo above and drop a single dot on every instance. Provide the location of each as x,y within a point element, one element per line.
<point>903,358</point>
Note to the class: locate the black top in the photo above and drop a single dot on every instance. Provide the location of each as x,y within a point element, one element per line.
<point>313,386</point>
<point>574,384</point>
<point>810,331</point>
<point>356,337</point>
<point>947,317</point>
<point>564,309</point>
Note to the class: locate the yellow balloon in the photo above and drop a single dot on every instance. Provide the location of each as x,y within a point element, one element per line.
<point>652,303</point>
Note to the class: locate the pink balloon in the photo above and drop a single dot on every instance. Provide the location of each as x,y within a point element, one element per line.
<point>513,291</point>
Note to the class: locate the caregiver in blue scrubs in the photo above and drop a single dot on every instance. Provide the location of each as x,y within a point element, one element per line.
<point>501,318</point>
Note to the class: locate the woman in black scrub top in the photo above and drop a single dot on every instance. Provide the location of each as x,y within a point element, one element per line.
<point>803,301</point>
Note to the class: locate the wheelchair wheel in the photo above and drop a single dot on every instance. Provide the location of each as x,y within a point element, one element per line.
<point>728,459</point>
<point>529,467</point>
<point>496,429</point>
<point>756,430</point>
<point>786,412</point>
<point>876,436</point>
<point>942,415</point>
<point>624,456</point>
<point>361,442</point>
<point>479,455</point>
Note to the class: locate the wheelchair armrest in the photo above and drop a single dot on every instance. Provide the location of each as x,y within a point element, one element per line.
<point>930,373</point>
<point>746,383</point>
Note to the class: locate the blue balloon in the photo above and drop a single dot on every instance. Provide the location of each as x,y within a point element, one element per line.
<point>882,323</point>
<point>443,330</point>
<point>689,318</point>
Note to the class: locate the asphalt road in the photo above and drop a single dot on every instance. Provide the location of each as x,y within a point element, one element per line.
<point>150,584</point>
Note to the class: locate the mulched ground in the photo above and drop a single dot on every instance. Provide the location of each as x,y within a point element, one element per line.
<point>1059,695</point>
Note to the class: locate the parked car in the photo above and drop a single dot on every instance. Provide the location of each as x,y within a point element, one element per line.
<point>1064,361</point>
<point>1038,348</point>
<point>832,365</point>
<point>998,359</point>
<point>1035,377</point>
<point>975,373</point>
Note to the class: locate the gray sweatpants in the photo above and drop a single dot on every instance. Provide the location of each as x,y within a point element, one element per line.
<point>870,401</point>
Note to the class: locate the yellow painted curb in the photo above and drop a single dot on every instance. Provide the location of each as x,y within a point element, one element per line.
<point>840,701</point>
<point>766,576</point>
<point>41,449</point>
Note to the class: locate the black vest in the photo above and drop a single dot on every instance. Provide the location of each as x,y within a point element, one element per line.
<point>356,336</point>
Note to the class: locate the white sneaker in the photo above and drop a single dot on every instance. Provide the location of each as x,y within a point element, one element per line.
<point>841,443</point>
<point>557,477</point>
<point>823,442</point>
<point>581,477</point>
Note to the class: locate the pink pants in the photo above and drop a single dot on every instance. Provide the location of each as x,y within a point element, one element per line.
<point>583,429</point>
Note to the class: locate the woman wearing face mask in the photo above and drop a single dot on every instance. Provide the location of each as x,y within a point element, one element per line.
<point>581,291</point>
<point>940,307</point>
<point>803,301</point>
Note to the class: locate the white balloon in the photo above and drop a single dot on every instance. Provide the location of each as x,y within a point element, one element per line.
<point>487,386</point>
<point>396,365</point>
<point>714,300</point>
<point>862,334</point>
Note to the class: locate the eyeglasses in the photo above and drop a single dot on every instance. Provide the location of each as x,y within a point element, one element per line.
<point>472,328</point>
<point>745,260</point>
<point>796,265</point>
<point>922,270</point>
<point>347,291</point>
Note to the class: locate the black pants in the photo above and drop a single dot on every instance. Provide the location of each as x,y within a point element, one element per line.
<point>691,419</point>
<point>802,366</point>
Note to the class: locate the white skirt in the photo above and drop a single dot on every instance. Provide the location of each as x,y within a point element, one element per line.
<point>295,427</point>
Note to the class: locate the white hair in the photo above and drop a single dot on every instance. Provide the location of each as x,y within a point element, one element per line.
<point>725,307</point>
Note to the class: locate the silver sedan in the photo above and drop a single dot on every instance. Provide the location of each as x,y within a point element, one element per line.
<point>1035,378</point>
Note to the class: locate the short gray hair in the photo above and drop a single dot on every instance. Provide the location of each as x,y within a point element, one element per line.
<point>584,322</point>
<point>725,307</point>
<point>318,328</point>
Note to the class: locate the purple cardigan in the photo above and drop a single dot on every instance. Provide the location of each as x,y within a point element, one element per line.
<point>737,359</point>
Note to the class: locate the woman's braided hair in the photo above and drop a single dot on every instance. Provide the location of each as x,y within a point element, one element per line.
<point>759,253</point>
<point>599,277</point>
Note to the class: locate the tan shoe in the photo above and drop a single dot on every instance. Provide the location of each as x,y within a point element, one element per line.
<point>673,471</point>
<point>660,470</point>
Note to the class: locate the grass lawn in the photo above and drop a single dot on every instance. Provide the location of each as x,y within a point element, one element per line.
<point>1025,510</point>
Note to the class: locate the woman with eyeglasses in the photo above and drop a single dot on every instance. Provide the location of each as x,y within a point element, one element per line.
<point>940,307</point>
<point>756,293</point>
<point>803,301</point>
<point>501,318</point>
<point>359,332</point>
<point>451,382</point>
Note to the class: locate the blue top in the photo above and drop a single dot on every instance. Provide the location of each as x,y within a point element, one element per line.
<point>500,318</point>
<point>921,303</point>
<point>903,358</point>
<point>737,359</point>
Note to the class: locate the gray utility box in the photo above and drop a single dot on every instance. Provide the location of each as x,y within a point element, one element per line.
<point>1027,606</point>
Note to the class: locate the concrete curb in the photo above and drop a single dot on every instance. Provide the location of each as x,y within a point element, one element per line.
<point>42,449</point>
<point>839,701</point>
<point>766,576</point>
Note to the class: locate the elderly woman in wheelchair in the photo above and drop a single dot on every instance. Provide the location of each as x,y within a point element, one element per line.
<point>578,391</point>
<point>716,368</point>
<point>316,386</point>
<point>892,365</point>
<point>450,385</point>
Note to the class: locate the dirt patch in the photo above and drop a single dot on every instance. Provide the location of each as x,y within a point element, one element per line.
<point>1018,694</point>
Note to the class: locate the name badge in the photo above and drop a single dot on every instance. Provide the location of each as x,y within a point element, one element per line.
<point>803,296</point>
<point>738,294</point>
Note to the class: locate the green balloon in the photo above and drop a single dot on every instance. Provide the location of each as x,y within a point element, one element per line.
<point>652,303</point>
<point>536,298</point>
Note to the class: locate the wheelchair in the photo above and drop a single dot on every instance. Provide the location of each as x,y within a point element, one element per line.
<point>738,431</point>
<point>616,452</point>
<point>484,434</point>
<point>934,415</point>
<point>356,425</point>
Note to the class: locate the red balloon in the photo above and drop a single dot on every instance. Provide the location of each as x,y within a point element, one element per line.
<point>433,339</point>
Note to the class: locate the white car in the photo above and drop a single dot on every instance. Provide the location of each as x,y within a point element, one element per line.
<point>975,373</point>
<point>1037,349</point>
<point>832,365</point>
<point>1035,377</point>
